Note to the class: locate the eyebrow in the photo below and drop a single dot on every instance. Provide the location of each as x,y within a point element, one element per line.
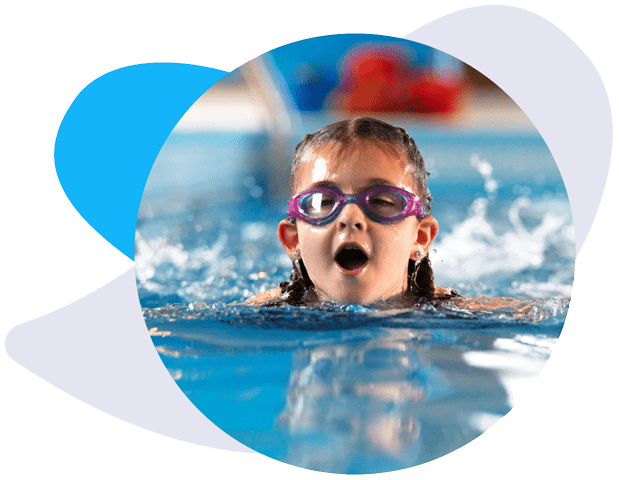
<point>370,183</point>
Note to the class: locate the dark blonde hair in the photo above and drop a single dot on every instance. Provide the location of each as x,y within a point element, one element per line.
<point>300,289</point>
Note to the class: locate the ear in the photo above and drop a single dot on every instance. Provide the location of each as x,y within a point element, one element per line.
<point>288,235</point>
<point>426,233</point>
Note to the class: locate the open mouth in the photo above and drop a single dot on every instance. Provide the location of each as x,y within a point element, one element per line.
<point>351,257</point>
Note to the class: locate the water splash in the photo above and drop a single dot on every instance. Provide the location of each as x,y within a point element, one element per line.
<point>486,248</point>
<point>485,170</point>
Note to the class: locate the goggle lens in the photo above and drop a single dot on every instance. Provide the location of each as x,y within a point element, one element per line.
<point>386,204</point>
<point>317,205</point>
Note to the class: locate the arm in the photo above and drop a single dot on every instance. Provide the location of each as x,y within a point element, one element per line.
<point>263,297</point>
<point>531,310</point>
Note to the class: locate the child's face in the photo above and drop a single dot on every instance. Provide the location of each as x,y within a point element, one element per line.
<point>388,246</point>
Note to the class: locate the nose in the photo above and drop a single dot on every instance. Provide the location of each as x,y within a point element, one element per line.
<point>352,216</point>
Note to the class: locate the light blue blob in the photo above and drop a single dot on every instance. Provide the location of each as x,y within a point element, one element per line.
<point>111,136</point>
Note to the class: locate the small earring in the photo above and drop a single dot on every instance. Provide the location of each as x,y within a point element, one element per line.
<point>297,253</point>
<point>418,254</point>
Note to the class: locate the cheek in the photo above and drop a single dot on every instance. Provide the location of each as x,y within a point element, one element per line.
<point>398,239</point>
<point>313,242</point>
<point>396,245</point>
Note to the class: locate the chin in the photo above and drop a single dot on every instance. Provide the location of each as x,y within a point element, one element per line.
<point>355,297</point>
<point>359,295</point>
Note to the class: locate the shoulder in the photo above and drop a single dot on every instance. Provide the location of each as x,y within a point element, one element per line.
<point>487,304</point>
<point>444,292</point>
<point>263,297</point>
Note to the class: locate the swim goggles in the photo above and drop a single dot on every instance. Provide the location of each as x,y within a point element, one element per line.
<point>381,203</point>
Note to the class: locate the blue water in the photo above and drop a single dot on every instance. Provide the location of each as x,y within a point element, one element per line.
<point>351,391</point>
<point>342,388</point>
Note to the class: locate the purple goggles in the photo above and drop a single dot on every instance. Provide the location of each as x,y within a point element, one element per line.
<point>381,203</point>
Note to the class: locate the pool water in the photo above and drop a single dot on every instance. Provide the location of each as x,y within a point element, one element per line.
<point>350,389</point>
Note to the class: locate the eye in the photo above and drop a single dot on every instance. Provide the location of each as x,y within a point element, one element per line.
<point>387,204</point>
<point>381,201</point>
<point>317,205</point>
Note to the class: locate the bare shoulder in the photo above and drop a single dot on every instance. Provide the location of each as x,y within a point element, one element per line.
<point>487,304</point>
<point>444,292</point>
<point>481,303</point>
<point>263,297</point>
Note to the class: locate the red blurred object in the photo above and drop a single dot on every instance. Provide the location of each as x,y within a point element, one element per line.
<point>383,80</point>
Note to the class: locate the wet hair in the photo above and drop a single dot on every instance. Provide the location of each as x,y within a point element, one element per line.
<point>300,289</point>
<point>348,132</point>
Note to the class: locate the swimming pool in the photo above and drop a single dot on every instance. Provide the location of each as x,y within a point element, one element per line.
<point>349,389</point>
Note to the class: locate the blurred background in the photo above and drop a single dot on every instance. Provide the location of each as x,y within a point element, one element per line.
<point>250,121</point>
<point>207,222</point>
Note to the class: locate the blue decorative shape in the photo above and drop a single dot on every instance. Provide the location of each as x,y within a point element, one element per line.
<point>111,135</point>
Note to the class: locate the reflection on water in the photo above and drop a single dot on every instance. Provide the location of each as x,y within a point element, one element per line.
<point>384,391</point>
<point>350,406</point>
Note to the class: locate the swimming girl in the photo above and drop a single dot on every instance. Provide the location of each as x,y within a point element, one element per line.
<point>359,227</point>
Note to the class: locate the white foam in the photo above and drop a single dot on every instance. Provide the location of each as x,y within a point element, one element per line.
<point>474,248</point>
